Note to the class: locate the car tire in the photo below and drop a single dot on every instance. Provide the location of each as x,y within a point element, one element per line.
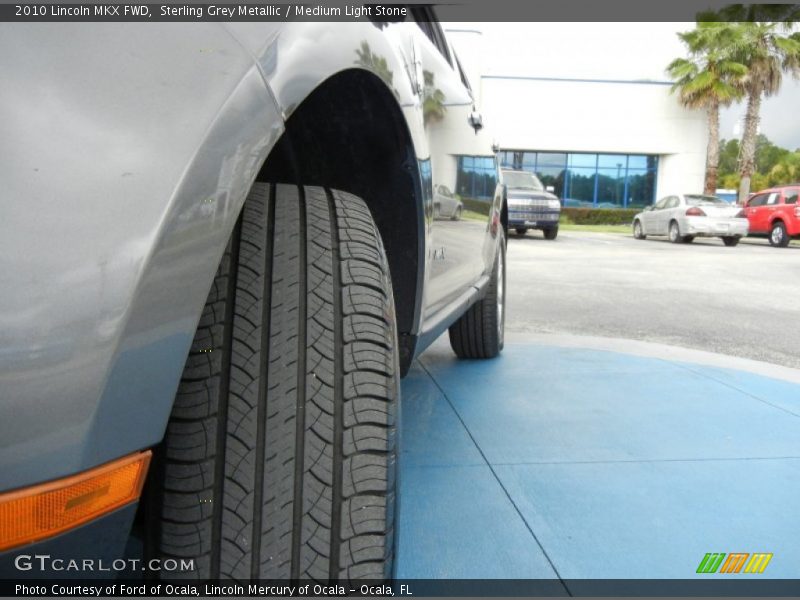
<point>731,240</point>
<point>279,456</point>
<point>638,232</point>
<point>551,233</point>
<point>480,332</point>
<point>675,233</point>
<point>457,214</point>
<point>778,236</point>
<point>688,239</point>
<point>521,231</point>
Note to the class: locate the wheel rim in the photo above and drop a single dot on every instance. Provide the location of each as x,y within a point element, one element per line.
<point>637,229</point>
<point>777,235</point>
<point>501,292</point>
<point>673,232</point>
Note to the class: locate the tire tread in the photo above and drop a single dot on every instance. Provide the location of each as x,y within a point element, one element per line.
<point>476,333</point>
<point>279,458</point>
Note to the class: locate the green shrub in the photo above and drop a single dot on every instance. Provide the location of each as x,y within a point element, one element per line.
<point>483,207</point>
<point>599,216</point>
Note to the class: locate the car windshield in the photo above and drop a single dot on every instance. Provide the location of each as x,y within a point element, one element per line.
<point>522,180</point>
<point>701,200</point>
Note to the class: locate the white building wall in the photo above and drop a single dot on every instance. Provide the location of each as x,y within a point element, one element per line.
<point>599,116</point>
<point>453,136</point>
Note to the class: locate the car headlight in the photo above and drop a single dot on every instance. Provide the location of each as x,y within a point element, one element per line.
<point>553,204</point>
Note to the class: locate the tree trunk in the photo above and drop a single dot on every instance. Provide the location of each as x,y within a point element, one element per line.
<point>748,150</point>
<point>712,153</point>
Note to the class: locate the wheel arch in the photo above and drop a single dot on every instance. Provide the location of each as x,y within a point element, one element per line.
<point>350,134</point>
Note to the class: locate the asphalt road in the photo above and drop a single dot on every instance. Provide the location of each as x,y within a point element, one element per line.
<point>742,301</point>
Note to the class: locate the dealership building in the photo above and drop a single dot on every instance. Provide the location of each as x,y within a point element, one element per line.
<point>599,142</point>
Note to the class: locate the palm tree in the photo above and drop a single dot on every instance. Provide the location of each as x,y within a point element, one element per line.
<point>786,171</point>
<point>433,98</point>
<point>762,40</point>
<point>375,63</point>
<point>708,80</point>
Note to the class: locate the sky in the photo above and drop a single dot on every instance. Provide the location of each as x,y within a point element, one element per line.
<point>618,51</point>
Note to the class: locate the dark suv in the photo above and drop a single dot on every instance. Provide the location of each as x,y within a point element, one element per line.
<point>775,213</point>
<point>530,206</point>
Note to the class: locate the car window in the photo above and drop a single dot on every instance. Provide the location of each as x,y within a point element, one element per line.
<point>672,202</point>
<point>757,200</point>
<point>463,75</point>
<point>773,198</point>
<point>522,180</point>
<point>661,203</point>
<point>791,196</point>
<point>703,200</point>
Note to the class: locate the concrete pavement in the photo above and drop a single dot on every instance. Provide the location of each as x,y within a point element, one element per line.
<point>740,301</point>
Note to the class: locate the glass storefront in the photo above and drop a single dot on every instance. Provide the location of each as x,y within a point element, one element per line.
<point>476,177</point>
<point>591,180</point>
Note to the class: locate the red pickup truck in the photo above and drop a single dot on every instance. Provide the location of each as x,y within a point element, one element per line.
<point>775,213</point>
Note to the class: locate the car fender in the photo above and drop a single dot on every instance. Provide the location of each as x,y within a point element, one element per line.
<point>792,224</point>
<point>128,152</point>
<point>299,57</point>
<point>783,218</point>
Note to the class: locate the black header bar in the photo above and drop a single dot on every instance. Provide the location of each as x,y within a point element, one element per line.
<point>461,11</point>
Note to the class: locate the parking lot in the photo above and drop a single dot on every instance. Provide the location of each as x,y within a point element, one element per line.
<point>738,301</point>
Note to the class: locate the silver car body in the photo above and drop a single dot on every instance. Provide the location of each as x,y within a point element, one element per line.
<point>721,219</point>
<point>446,205</point>
<point>128,151</point>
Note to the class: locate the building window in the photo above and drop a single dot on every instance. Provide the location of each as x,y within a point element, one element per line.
<point>551,169</point>
<point>591,180</point>
<point>476,177</point>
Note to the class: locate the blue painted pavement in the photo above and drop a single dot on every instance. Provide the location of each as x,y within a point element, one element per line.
<point>564,462</point>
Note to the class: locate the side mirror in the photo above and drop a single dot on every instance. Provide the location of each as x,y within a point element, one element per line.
<point>476,120</point>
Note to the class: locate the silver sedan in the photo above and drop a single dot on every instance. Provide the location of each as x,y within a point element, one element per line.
<point>686,216</point>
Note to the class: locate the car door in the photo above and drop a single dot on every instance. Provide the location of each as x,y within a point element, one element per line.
<point>663,215</point>
<point>444,204</point>
<point>650,217</point>
<point>792,210</point>
<point>756,212</point>
<point>671,212</point>
<point>771,208</point>
<point>458,155</point>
